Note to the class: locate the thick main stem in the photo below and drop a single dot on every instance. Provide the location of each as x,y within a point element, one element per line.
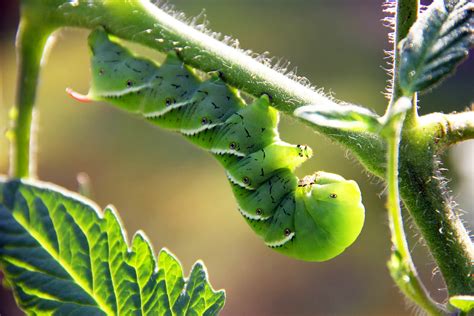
<point>423,190</point>
<point>143,22</point>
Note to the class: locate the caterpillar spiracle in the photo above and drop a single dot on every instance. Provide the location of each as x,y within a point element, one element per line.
<point>311,219</point>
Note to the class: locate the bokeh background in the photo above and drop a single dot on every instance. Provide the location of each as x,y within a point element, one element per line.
<point>178,194</point>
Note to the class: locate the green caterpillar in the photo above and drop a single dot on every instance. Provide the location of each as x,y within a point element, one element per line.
<point>312,219</point>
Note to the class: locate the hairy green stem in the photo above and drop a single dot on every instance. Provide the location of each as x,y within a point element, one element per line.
<point>449,129</point>
<point>141,22</point>
<point>401,266</point>
<point>423,190</point>
<point>31,42</point>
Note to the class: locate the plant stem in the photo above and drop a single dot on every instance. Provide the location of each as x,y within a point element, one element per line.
<point>141,22</point>
<point>423,190</point>
<point>401,266</point>
<point>31,42</point>
<point>449,129</point>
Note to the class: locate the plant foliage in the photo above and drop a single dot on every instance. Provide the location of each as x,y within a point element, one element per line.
<point>464,302</point>
<point>63,256</point>
<point>437,42</point>
<point>345,117</point>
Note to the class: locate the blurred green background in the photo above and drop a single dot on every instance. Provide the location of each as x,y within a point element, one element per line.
<point>179,195</point>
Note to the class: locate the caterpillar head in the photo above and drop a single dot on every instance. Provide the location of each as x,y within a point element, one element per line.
<point>328,217</point>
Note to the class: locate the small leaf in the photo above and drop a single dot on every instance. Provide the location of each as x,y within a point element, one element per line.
<point>437,42</point>
<point>346,117</point>
<point>463,302</point>
<point>63,256</point>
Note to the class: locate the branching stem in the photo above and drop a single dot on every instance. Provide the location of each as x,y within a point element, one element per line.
<point>141,22</point>
<point>31,42</point>
<point>449,129</point>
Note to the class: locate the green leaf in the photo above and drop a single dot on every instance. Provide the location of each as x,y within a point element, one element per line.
<point>63,256</point>
<point>463,302</point>
<point>437,42</point>
<point>345,117</point>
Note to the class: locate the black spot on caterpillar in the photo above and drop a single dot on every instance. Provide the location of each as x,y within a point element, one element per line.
<point>312,219</point>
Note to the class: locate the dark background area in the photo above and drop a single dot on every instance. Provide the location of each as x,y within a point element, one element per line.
<point>179,196</point>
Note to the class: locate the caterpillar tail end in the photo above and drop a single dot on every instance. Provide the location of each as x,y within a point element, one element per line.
<point>78,96</point>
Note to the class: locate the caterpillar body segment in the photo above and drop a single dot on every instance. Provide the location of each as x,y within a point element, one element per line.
<point>248,130</point>
<point>311,219</point>
<point>260,204</point>
<point>212,103</point>
<point>137,84</point>
<point>253,169</point>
